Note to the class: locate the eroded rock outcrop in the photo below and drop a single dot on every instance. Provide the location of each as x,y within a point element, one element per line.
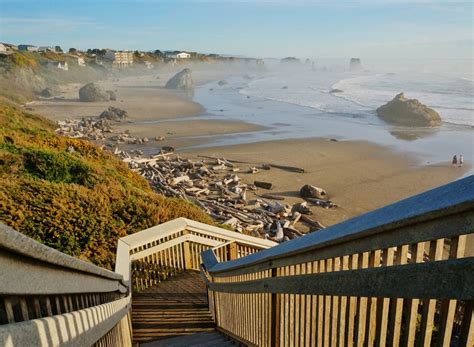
<point>182,80</point>
<point>113,113</point>
<point>408,112</point>
<point>92,92</point>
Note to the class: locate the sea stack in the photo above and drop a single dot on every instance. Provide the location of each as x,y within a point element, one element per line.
<point>408,112</point>
<point>182,80</point>
<point>355,64</point>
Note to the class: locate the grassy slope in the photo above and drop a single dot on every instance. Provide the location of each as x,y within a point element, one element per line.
<point>78,201</point>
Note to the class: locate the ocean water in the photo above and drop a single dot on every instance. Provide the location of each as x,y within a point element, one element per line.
<point>298,103</point>
<point>361,93</point>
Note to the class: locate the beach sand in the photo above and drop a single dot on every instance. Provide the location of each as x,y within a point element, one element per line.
<point>358,176</point>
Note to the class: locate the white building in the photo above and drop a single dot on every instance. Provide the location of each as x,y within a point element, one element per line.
<point>3,49</point>
<point>180,55</point>
<point>81,61</point>
<point>46,49</point>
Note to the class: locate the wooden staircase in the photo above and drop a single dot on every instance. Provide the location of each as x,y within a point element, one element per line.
<point>175,307</point>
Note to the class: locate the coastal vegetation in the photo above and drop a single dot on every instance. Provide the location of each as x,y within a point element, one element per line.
<point>71,195</point>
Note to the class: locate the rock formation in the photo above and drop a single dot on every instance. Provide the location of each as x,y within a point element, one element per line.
<point>182,80</point>
<point>92,92</point>
<point>113,113</point>
<point>355,64</point>
<point>408,112</point>
<point>46,93</point>
<point>335,91</point>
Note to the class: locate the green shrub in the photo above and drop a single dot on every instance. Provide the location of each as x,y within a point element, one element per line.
<point>79,203</point>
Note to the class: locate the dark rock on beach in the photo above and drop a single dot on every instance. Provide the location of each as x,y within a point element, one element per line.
<point>408,112</point>
<point>182,80</point>
<point>92,92</point>
<point>113,113</point>
<point>46,93</point>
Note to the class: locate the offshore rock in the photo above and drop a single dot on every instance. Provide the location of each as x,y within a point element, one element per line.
<point>408,112</point>
<point>355,64</point>
<point>92,92</point>
<point>182,80</point>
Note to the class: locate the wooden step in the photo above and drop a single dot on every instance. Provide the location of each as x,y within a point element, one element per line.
<point>202,340</point>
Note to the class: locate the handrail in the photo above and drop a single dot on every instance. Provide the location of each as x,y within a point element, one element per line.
<point>176,245</point>
<point>50,298</point>
<point>24,246</point>
<point>397,275</point>
<point>440,203</point>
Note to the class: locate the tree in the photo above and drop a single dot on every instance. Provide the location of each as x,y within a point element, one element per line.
<point>72,50</point>
<point>58,49</point>
<point>158,53</point>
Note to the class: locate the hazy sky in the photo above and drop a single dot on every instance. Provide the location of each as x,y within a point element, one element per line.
<point>263,28</point>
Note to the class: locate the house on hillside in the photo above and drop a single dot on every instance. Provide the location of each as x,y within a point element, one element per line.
<point>178,55</point>
<point>46,49</point>
<point>28,48</point>
<point>3,49</point>
<point>120,58</point>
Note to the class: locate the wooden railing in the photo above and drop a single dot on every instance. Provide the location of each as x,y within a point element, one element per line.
<point>395,276</point>
<point>154,254</point>
<point>48,298</point>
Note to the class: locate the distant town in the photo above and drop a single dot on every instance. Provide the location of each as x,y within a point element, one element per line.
<point>57,57</point>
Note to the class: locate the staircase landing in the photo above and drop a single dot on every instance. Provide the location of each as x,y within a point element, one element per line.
<point>175,307</point>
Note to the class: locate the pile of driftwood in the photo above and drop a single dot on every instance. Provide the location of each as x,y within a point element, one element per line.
<point>86,128</point>
<point>214,185</point>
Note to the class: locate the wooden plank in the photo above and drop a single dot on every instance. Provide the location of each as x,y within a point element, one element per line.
<point>352,307</point>
<point>448,307</point>
<point>9,309</point>
<point>397,309</point>
<point>343,307</point>
<point>362,316</point>
<point>24,308</point>
<point>327,310</point>
<point>321,300</point>
<point>467,332</point>
<point>384,306</point>
<point>412,314</point>
<point>374,262</point>
<point>275,316</point>
<point>335,308</point>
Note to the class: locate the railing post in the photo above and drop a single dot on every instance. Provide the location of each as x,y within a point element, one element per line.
<point>188,265</point>
<point>233,251</point>
<point>275,317</point>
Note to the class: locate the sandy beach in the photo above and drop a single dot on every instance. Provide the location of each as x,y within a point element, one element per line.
<point>358,176</point>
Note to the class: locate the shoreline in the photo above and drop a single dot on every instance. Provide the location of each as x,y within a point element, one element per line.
<point>347,169</point>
